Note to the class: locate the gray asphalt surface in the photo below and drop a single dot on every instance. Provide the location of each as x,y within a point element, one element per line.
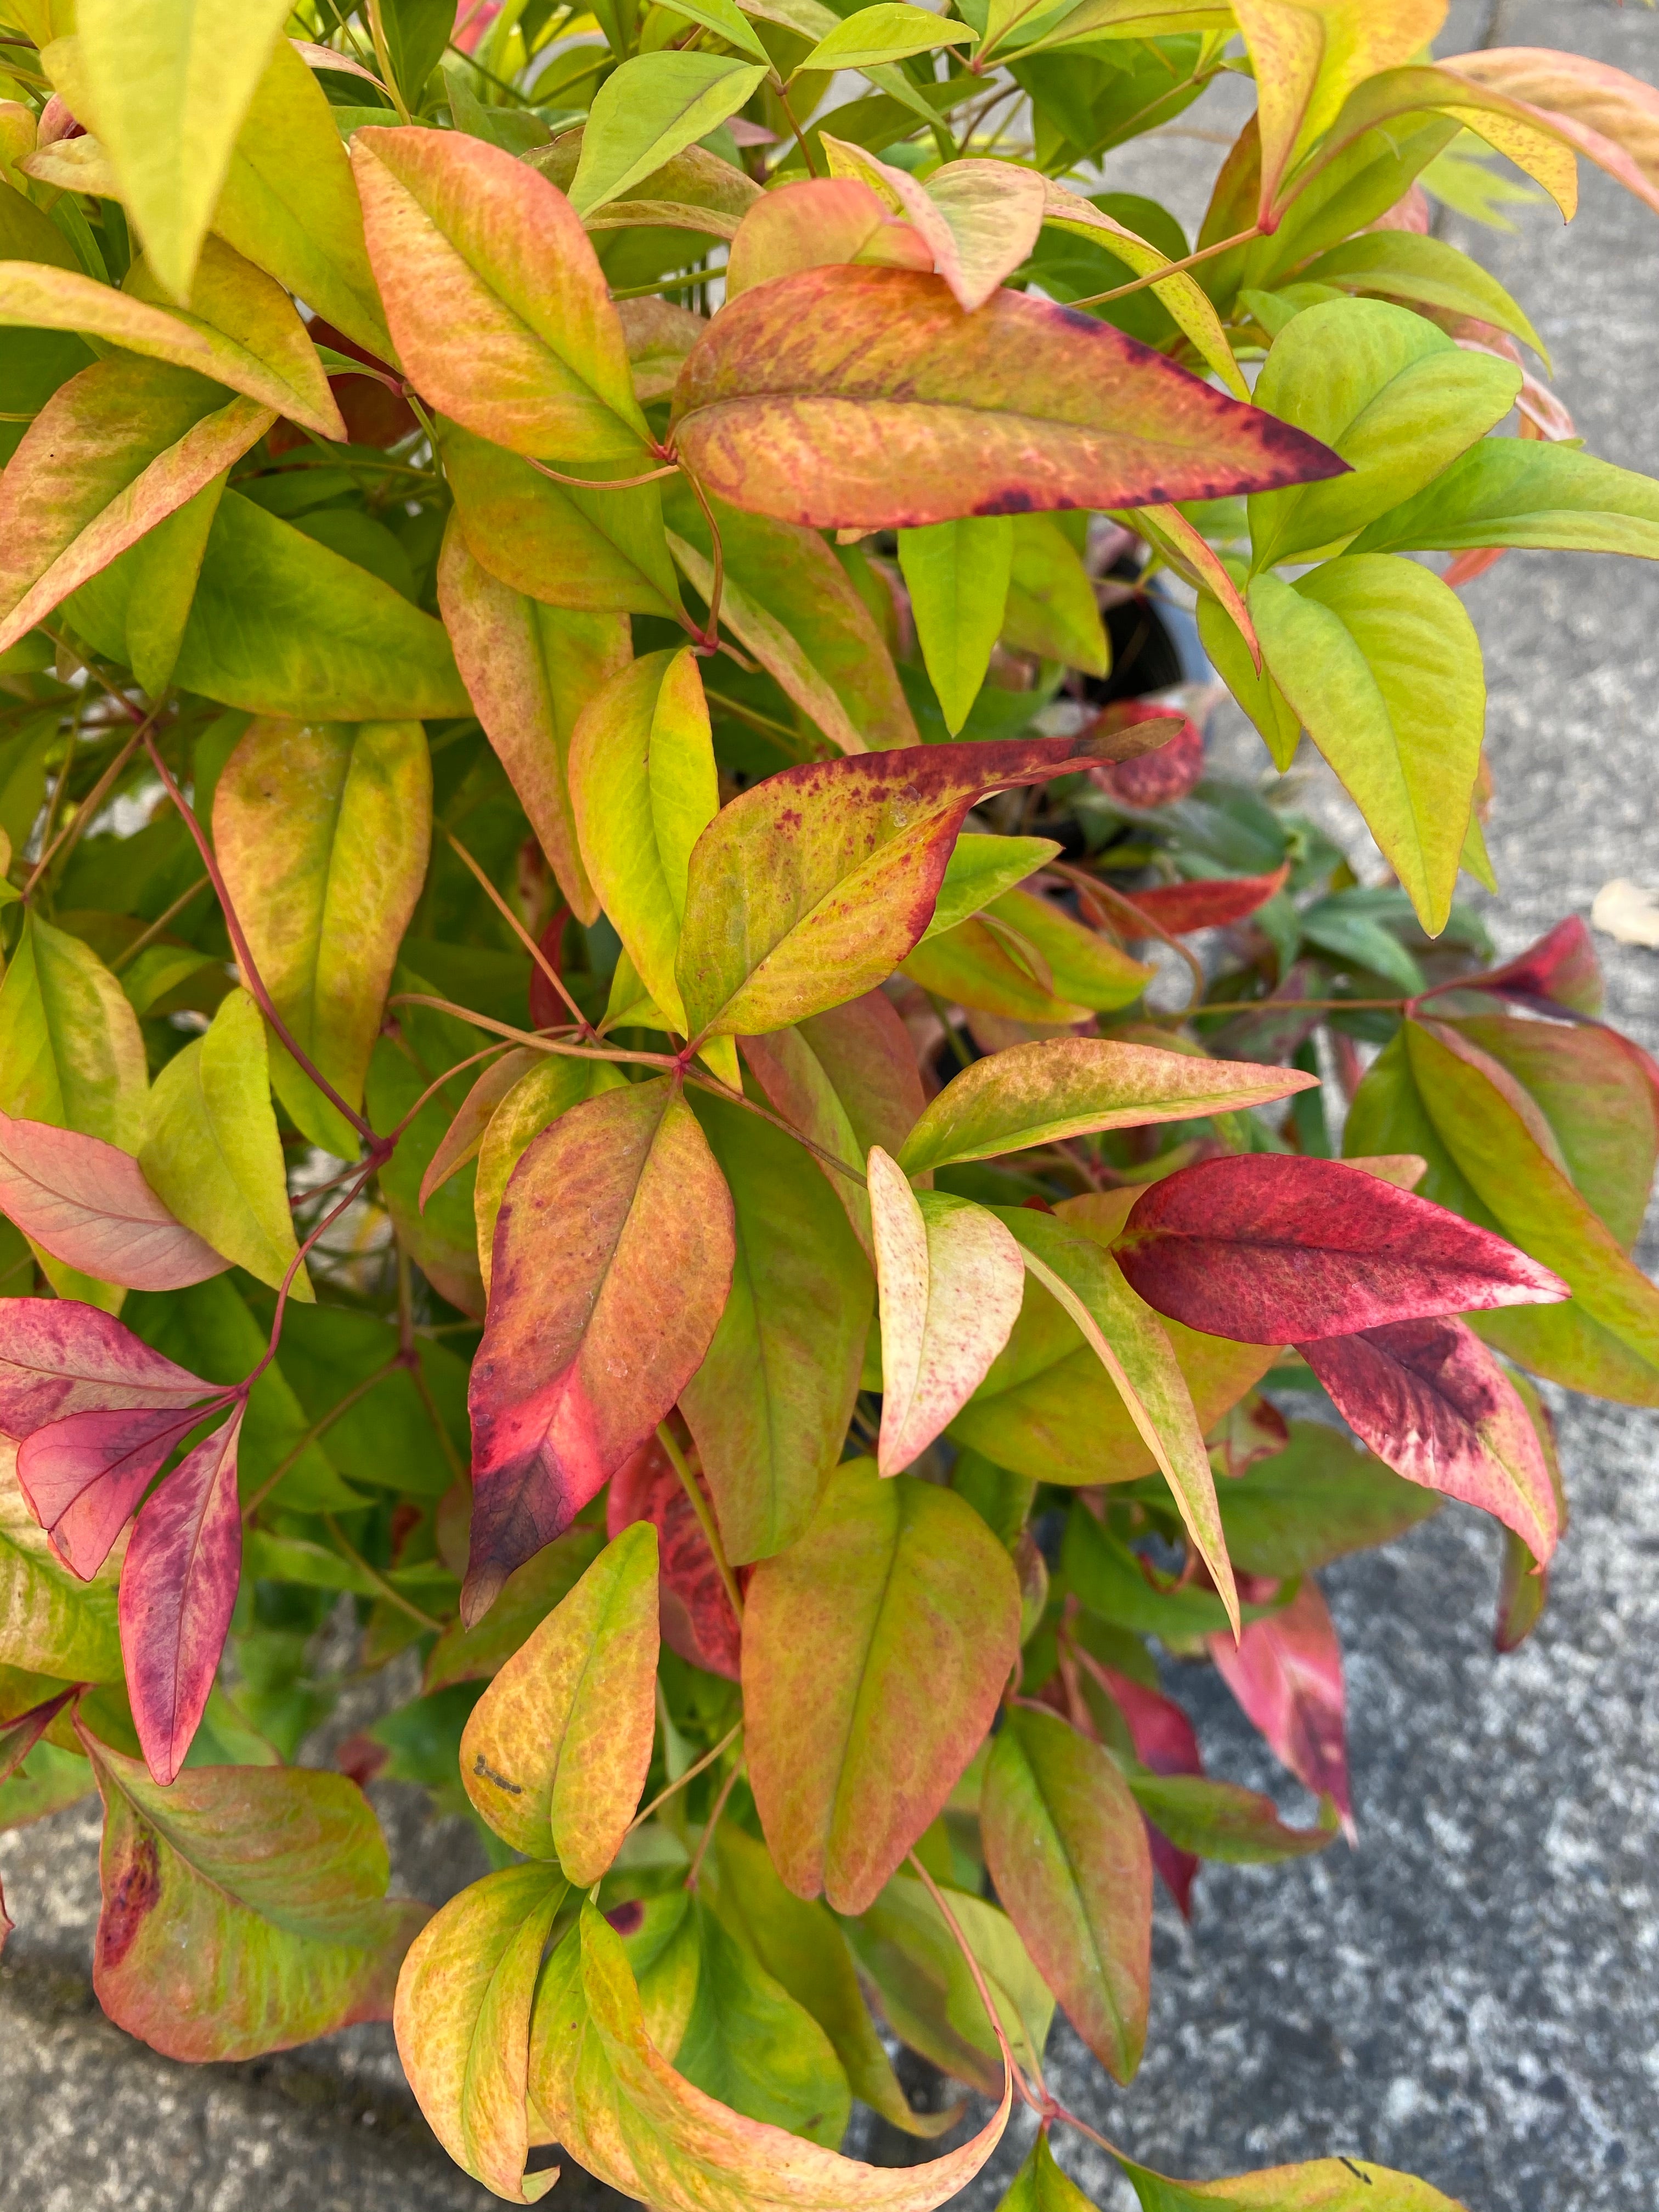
<point>1474,1994</point>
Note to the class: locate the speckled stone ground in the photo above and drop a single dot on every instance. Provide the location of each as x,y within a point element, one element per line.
<point>1474,1993</point>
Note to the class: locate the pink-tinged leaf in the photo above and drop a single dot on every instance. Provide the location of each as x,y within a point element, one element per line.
<point>87,1204</point>
<point>83,1476</point>
<point>612,1261</point>
<point>846,1078</point>
<point>1433,1402</point>
<point>1157,778</point>
<point>1179,908</point>
<point>1523,1584</point>
<point>59,1357</point>
<point>1561,969</point>
<point>697,1616</point>
<point>950,1279</point>
<point>461,1140</point>
<point>493,298</point>
<point>867,398</point>
<point>178,1586</point>
<point>1168,529</point>
<point>979,219</point>
<point>825,219</point>
<point>1286,1673</point>
<point>1270,1249</point>
<point>243,1907</point>
<point>810,887</point>
<point>1165,1742</point>
<point>1612,118</point>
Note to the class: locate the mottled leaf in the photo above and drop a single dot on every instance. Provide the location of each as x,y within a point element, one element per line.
<point>875,1649</point>
<point>89,1205</point>
<point>803,226</point>
<point>548,1089</point>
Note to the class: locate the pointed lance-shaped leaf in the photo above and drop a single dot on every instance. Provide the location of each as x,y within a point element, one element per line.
<point>867,398</point>
<point>1225,1821</point>
<point>582,1353</point>
<point>196,66</point>
<point>651,107</point>
<point>178,1584</point>
<point>694,1606</point>
<point>1182,908</point>
<point>556,1751</point>
<point>112,452</point>
<point>323,831</point>
<point>810,887</point>
<point>243,1907</point>
<point>1037,1093</point>
<point>874,1651</point>
<point>1433,1402</point>
<point>1286,1673</point>
<point>70,1049</point>
<point>1269,1249</point>
<point>1561,969</point>
<point>643,788</point>
<point>1041,2187</point>
<point>87,1204</point>
<point>465,1134</point>
<point>462,2021</point>
<point>1325,2185</point>
<point>1066,1845</point>
<point>1609,115</point>
<point>957,575</point>
<point>529,670</point>
<point>617,2104</point>
<point>83,1475</point>
<point>950,1279</point>
<point>495,301</point>
<point>213,1151</point>
<point>59,1357</point>
<point>1163,1739</point>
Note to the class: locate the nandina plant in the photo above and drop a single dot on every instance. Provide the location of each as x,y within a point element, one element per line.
<point>596,788</point>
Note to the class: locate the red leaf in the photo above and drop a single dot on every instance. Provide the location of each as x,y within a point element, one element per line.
<point>547,1009</point>
<point>87,1203</point>
<point>1165,1741</point>
<point>1182,908</point>
<point>373,414</point>
<point>612,1261</point>
<point>83,1476</point>
<point>697,1616</point>
<point>59,1357</point>
<point>1270,1249</point>
<point>1432,1401</point>
<point>1286,1673</point>
<point>177,1587</point>
<point>1156,778</point>
<point>1561,969</point>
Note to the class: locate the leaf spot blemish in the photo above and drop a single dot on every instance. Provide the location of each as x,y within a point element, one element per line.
<point>135,1894</point>
<point>480,1766</point>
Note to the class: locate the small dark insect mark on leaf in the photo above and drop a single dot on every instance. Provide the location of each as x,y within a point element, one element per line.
<point>137,1892</point>
<point>627,1919</point>
<point>480,1766</point>
<point>1355,2170</point>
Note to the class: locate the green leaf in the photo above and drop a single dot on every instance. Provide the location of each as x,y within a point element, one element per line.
<point>768,1408</point>
<point>598,551</point>
<point>958,575</point>
<point>1066,1848</point>
<point>1310,1504</point>
<point>1382,665</point>
<point>741,2037</point>
<point>165,567</point>
<point>212,1154</point>
<point>1106,1575</point>
<point>1254,688</point>
<point>494,297</point>
<point>802,1947</point>
<point>874,1650</point>
<point>416,33</point>
<point>1328,2184</point>
<point>1528,492</point>
<point>1039,2186</point>
<point>322,830</point>
<point>1396,398</point>
<point>980,869</point>
<point>441,1238</point>
<point>555,1753</point>
<point>112,454</point>
<point>929,1997</point>
<point>643,788</point>
<point>462,2018</point>
<point>1051,609</point>
<point>617,2104</point>
<point>70,1052</point>
<point>409,1430</point>
<point>890,31</point>
<point>724,17</point>
<point>51,1621</point>
<point>1223,1820</point>
<point>281,625</point>
<point>1131,1342</point>
<point>1424,271</point>
<point>648,110</point>
<point>1086,967</point>
<point>243,1907</point>
<point>1059,1087</point>
<point>196,66</point>
<point>529,669</point>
